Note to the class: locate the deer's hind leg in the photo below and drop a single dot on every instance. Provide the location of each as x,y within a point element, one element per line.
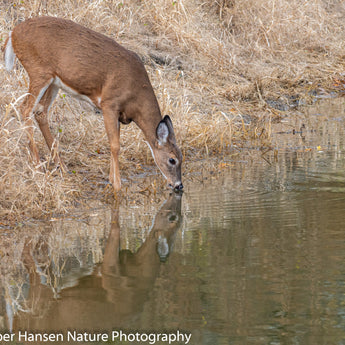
<point>41,115</point>
<point>29,106</point>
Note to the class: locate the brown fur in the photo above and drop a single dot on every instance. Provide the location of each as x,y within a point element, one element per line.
<point>96,68</point>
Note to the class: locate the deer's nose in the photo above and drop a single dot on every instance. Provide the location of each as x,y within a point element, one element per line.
<point>178,186</point>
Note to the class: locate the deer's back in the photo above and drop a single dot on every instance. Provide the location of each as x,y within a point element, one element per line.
<point>74,53</point>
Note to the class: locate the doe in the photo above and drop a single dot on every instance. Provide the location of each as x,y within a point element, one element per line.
<point>60,54</point>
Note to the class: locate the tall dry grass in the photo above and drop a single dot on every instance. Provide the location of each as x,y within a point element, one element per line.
<point>222,69</point>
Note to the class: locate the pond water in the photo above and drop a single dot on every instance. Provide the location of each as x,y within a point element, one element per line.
<point>253,255</point>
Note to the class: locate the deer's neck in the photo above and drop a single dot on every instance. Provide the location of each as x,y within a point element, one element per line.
<point>148,120</point>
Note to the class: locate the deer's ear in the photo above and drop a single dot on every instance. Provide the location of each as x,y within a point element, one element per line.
<point>162,133</point>
<point>165,131</point>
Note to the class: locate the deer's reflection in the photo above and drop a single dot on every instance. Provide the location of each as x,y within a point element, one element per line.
<point>122,270</point>
<point>116,294</point>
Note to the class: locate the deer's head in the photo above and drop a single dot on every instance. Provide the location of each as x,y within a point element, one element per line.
<point>167,154</point>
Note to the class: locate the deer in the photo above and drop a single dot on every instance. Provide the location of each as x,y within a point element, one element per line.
<point>61,54</point>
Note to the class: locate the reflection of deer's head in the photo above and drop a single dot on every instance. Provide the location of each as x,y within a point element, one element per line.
<point>156,248</point>
<point>167,221</point>
<point>115,297</point>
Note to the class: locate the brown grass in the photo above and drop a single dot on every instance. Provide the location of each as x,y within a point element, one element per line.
<point>223,69</point>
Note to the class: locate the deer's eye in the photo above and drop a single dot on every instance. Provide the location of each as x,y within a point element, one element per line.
<point>172,161</point>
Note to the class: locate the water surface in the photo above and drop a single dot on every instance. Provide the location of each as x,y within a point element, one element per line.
<point>255,254</point>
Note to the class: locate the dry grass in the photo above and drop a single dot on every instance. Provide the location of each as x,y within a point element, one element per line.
<point>222,69</point>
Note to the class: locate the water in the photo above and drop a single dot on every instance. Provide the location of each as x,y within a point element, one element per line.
<point>253,255</point>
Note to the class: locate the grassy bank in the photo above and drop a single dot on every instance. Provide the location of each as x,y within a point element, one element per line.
<point>224,70</point>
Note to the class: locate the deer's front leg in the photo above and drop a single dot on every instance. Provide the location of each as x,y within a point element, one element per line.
<point>112,127</point>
